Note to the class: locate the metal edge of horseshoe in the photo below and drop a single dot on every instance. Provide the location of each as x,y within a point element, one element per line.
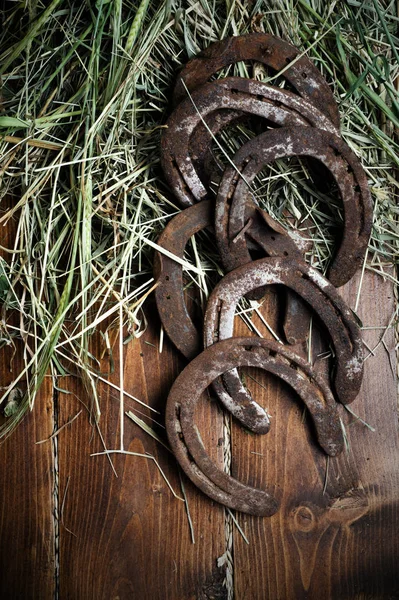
<point>333,152</point>
<point>205,163</point>
<point>240,95</point>
<point>312,287</point>
<point>172,309</point>
<point>269,50</point>
<point>169,294</point>
<point>185,439</point>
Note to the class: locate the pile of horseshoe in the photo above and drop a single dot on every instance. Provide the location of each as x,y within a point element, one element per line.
<point>304,123</point>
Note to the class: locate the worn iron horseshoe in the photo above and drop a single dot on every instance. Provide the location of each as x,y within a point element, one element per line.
<point>268,50</point>
<point>179,158</point>
<point>185,439</point>
<point>333,152</point>
<point>312,287</point>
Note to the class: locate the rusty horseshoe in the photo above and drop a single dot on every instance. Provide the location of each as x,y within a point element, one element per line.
<point>168,273</point>
<point>312,287</point>
<point>333,152</point>
<point>269,50</point>
<point>180,158</point>
<point>185,439</point>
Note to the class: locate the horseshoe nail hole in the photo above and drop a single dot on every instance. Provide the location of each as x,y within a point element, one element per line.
<point>260,97</point>
<point>336,152</point>
<point>349,169</point>
<point>235,91</point>
<point>289,59</point>
<point>272,353</point>
<point>357,189</point>
<point>273,238</point>
<point>285,253</point>
<point>304,75</point>
<point>255,348</point>
<point>167,278</point>
<point>168,297</point>
<point>246,161</point>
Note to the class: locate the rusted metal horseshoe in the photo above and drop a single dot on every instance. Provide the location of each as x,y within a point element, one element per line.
<point>333,152</point>
<point>179,156</point>
<point>268,50</point>
<point>169,294</point>
<point>173,312</point>
<point>312,287</point>
<point>185,439</point>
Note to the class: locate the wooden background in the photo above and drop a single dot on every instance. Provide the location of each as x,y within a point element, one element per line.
<point>71,529</point>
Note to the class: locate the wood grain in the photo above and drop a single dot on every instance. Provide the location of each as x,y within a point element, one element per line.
<point>27,553</point>
<point>130,537</point>
<point>339,544</point>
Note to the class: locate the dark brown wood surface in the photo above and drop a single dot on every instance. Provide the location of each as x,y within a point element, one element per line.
<point>28,519</point>
<point>342,543</point>
<point>27,508</point>
<point>127,537</point>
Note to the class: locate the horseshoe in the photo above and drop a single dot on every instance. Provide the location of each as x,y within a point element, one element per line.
<point>169,294</point>
<point>268,50</point>
<point>230,213</point>
<point>173,312</point>
<point>311,287</point>
<point>185,439</point>
<point>247,96</point>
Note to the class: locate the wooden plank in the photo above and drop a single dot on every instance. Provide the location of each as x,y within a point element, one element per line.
<point>342,543</point>
<point>130,537</point>
<point>27,486</point>
<point>27,528</point>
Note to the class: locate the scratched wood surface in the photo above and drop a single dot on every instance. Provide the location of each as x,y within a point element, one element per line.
<point>128,537</point>
<point>342,543</point>
<point>27,527</point>
<point>27,484</point>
